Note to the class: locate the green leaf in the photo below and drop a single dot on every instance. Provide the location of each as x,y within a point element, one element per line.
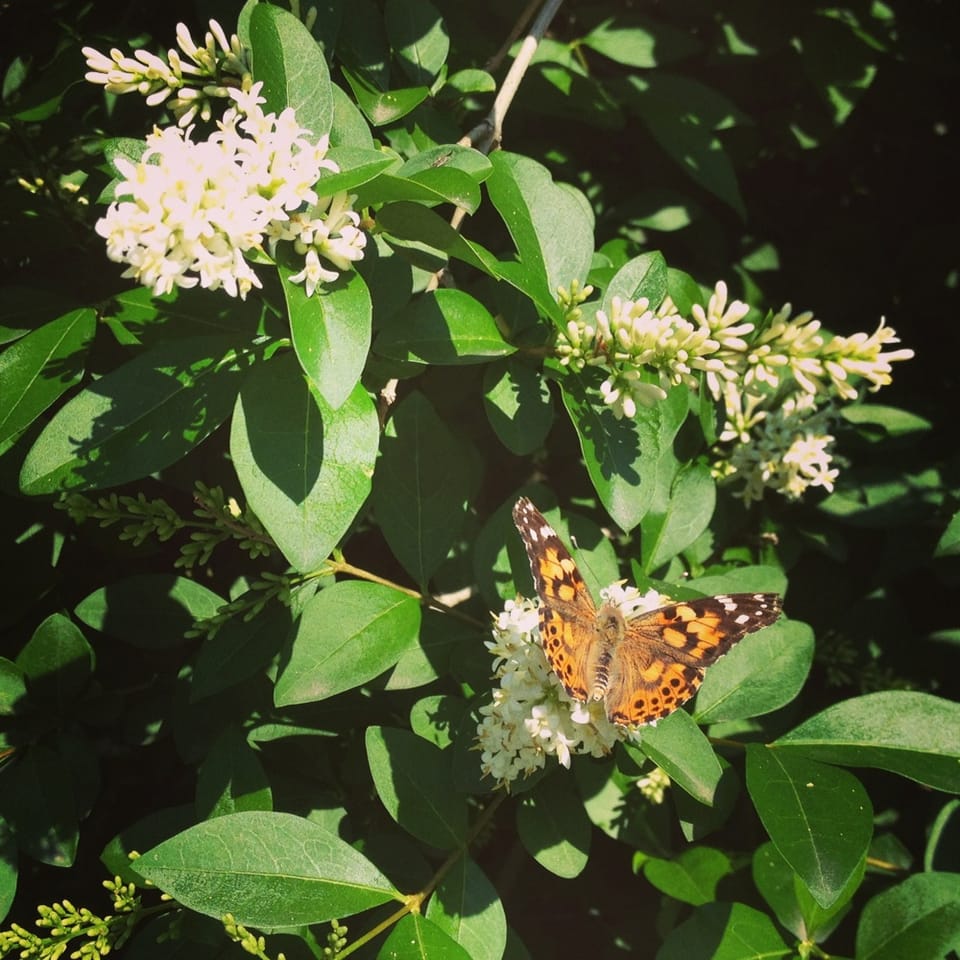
<point>175,604</point>
<point>679,746</point>
<point>331,332</point>
<point>892,421</point>
<point>38,802</point>
<point>443,327</point>
<point>348,634</point>
<point>358,165</point>
<point>414,780</point>
<point>231,778</point>
<point>942,836</point>
<point>430,187</point>
<point>8,868</point>
<point>688,513</point>
<point>725,931</point>
<point>912,734</point>
<point>13,690</point>
<point>918,918</point>
<point>697,820</point>
<point>763,672</point>
<point>819,818</point>
<point>417,938</point>
<point>239,650</point>
<point>467,907</point>
<point>682,115</point>
<point>791,901</point>
<point>382,107</point>
<point>415,223</point>
<point>304,467</point>
<point>554,828</point>
<point>267,869</point>
<point>640,42</point>
<point>425,480</point>
<point>518,405</point>
<point>642,277</point>
<point>138,419</point>
<point>418,37</point>
<point>690,877</point>
<point>41,367</point>
<point>551,225</point>
<point>626,458</point>
<point>949,542</point>
<point>292,67</point>
<point>57,662</point>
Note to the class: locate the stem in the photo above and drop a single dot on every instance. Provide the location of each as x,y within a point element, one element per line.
<point>415,900</point>
<point>432,603</point>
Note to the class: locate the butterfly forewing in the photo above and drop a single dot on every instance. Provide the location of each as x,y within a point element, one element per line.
<point>568,615</point>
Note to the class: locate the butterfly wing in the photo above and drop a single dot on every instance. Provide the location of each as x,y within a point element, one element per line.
<point>660,663</point>
<point>568,615</point>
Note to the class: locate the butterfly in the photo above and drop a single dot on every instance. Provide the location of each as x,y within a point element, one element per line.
<point>642,668</point>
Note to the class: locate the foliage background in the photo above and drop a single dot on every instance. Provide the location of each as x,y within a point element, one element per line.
<point>851,213</point>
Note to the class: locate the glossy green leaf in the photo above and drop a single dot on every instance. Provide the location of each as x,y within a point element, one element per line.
<point>819,818</point>
<point>381,107</point>
<point>679,746</point>
<point>137,419</point>
<point>787,895</point>
<point>358,165</point>
<point>239,650</point>
<point>912,734</point>
<point>13,689</point>
<point>415,223</point>
<point>42,366</point>
<point>552,825</point>
<point>331,332</point>
<point>551,225</point>
<point>763,672</point>
<point>57,662</point>
<point>430,187</point>
<point>697,820</point>
<point>641,277</point>
<point>414,780</point>
<point>435,717</point>
<point>639,42</point>
<point>942,839</point>
<point>292,67</point>
<point>267,869</point>
<point>37,801</point>
<point>8,868</point>
<point>682,115</point>
<point>690,877</point>
<point>304,467</point>
<point>417,938</point>
<point>518,405</point>
<point>443,327</point>
<point>425,480</point>
<point>175,604</point>
<point>418,38</point>
<point>725,931</point>
<point>348,634</point>
<point>467,907</point>
<point>949,542</point>
<point>231,778</point>
<point>688,512</point>
<point>917,918</point>
<point>626,459</point>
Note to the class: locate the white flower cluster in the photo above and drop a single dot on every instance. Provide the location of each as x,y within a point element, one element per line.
<point>189,211</point>
<point>531,716</point>
<point>188,86</point>
<point>778,385</point>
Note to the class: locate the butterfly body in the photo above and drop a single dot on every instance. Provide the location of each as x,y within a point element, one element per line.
<point>642,668</point>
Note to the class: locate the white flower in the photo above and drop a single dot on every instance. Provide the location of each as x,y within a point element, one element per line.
<point>186,85</point>
<point>531,717</point>
<point>189,211</point>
